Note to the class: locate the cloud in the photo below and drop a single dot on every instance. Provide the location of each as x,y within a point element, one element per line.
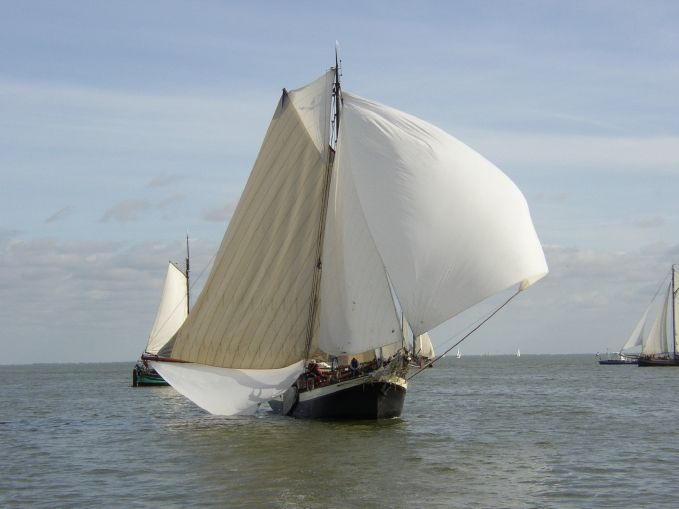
<point>171,200</point>
<point>223,212</point>
<point>84,301</point>
<point>647,222</point>
<point>62,213</point>
<point>590,300</point>
<point>559,151</point>
<point>163,180</point>
<point>125,211</point>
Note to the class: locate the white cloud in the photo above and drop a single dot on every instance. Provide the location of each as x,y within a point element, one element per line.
<point>163,180</point>
<point>647,222</point>
<point>223,212</point>
<point>62,213</point>
<point>589,301</point>
<point>83,301</point>
<point>126,211</point>
<point>567,151</point>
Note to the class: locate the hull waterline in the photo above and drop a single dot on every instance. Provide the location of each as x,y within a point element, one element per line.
<point>356,399</point>
<point>648,363</point>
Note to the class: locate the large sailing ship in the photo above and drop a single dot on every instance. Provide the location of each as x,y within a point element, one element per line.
<point>655,350</point>
<point>354,213</point>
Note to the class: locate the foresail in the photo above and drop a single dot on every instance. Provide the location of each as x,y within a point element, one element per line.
<point>450,228</point>
<point>423,346</point>
<point>254,309</point>
<point>172,310</point>
<point>357,308</point>
<point>637,336</point>
<point>223,391</point>
<point>656,342</point>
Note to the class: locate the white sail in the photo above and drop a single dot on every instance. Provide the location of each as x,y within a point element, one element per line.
<point>518,353</point>
<point>172,310</point>
<point>357,310</point>
<point>637,336</point>
<point>224,391</point>
<point>450,228</point>
<point>656,342</point>
<point>458,353</point>
<point>423,346</point>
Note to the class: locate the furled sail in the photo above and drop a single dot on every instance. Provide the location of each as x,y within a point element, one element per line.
<point>172,310</point>
<point>656,342</point>
<point>450,228</point>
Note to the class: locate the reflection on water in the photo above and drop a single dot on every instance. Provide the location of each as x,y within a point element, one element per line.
<point>548,431</point>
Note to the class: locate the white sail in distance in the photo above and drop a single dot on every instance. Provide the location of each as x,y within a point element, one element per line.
<point>637,336</point>
<point>656,342</point>
<point>401,201</point>
<point>172,310</point>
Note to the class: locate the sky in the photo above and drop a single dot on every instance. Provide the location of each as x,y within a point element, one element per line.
<point>125,125</point>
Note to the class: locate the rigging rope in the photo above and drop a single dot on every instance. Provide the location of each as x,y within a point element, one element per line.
<point>470,333</point>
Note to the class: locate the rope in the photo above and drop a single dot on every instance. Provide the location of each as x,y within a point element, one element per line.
<point>470,333</point>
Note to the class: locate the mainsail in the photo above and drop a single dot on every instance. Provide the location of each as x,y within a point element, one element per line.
<point>656,342</point>
<point>172,310</point>
<point>397,201</point>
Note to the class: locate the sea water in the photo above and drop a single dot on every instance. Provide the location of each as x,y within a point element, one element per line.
<point>476,432</point>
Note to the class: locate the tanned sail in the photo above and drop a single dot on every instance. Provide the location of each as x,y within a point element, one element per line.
<point>353,210</point>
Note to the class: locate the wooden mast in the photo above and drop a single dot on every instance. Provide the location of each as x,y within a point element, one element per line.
<point>188,288</point>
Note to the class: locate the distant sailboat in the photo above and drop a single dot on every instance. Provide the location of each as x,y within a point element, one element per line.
<point>458,353</point>
<point>518,353</point>
<point>172,312</point>
<point>353,210</point>
<point>655,350</point>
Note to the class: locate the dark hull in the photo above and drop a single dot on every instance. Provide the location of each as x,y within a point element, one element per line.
<point>618,362</point>
<point>657,362</point>
<point>352,400</point>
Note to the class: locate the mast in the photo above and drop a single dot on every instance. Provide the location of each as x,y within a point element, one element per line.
<point>188,300</point>
<point>316,285</point>
<point>674,317</point>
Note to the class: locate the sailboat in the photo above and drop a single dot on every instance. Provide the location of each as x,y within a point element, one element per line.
<point>518,353</point>
<point>353,211</point>
<point>655,350</point>
<point>458,353</point>
<point>172,312</point>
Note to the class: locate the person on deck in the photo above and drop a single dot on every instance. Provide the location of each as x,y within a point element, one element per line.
<point>355,368</point>
<point>313,371</point>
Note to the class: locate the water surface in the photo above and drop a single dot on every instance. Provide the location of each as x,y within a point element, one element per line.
<point>476,432</point>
